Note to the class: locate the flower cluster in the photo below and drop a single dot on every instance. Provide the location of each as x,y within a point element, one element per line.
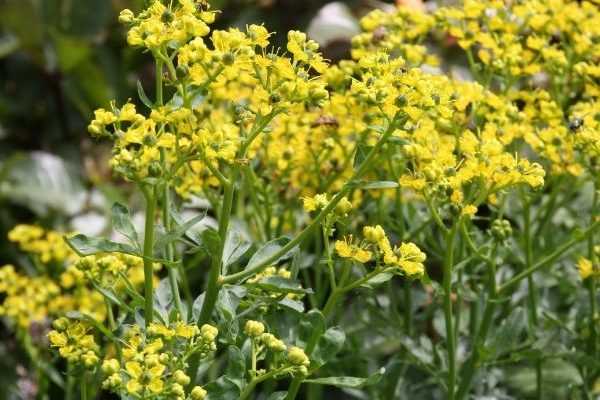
<point>154,361</point>
<point>74,342</point>
<point>401,33</point>
<point>285,360</point>
<point>115,270</point>
<point>35,299</point>
<point>406,259</point>
<point>48,245</point>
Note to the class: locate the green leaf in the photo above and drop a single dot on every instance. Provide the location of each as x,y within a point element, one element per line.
<point>211,242</point>
<point>378,280</point>
<point>398,141</point>
<point>197,306</point>
<point>71,51</point>
<point>295,305</point>
<point>267,251</point>
<point>195,97</point>
<point>84,245</point>
<point>506,337</point>
<point>349,381</point>
<point>558,376</point>
<point>236,245</point>
<point>380,185</point>
<point>142,95</point>
<point>222,389</point>
<point>421,351</point>
<point>313,321</point>
<point>362,150</point>
<point>121,220</point>
<point>43,182</point>
<point>8,44</point>
<point>280,284</point>
<point>329,345</point>
<point>229,300</point>
<point>277,396</point>
<point>236,366</point>
<point>180,230</point>
<point>163,293</point>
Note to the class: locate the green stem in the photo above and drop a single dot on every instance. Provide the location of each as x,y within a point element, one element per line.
<point>593,340</point>
<point>170,250</point>
<point>359,173</point>
<point>468,371</point>
<point>250,386</point>
<point>187,292</point>
<point>408,307</point>
<point>159,81</point>
<point>332,281</point>
<point>450,334</point>
<point>111,316</point>
<point>548,259</point>
<point>333,300</point>
<point>148,254</point>
<point>83,386</point>
<point>212,290</point>
<point>70,382</point>
<point>532,290</point>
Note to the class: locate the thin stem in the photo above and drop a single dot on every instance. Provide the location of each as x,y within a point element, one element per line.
<point>332,281</point>
<point>333,300</point>
<point>148,253</point>
<point>593,340</point>
<point>250,386</point>
<point>548,259</point>
<point>170,252</point>
<point>408,307</point>
<point>450,334</point>
<point>111,316</point>
<point>83,386</point>
<point>187,292</point>
<point>468,371</point>
<point>212,289</point>
<point>70,382</point>
<point>159,81</point>
<point>359,173</point>
<point>532,291</point>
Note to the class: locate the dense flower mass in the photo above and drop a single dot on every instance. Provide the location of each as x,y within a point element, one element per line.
<point>275,183</point>
<point>153,363</point>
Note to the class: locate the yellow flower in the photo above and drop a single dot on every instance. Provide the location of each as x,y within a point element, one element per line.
<point>586,269</point>
<point>259,35</point>
<point>346,249</point>
<point>143,377</point>
<point>469,210</point>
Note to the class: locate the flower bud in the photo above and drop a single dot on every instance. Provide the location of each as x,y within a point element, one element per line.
<point>272,342</point>
<point>111,366</point>
<point>177,389</point>
<point>297,356</point>
<point>126,16</point>
<point>90,359</point>
<point>60,324</point>
<point>181,378</point>
<point>182,72</point>
<point>163,358</point>
<point>155,169</point>
<point>208,332</point>
<point>343,207</point>
<point>198,393</point>
<point>254,328</point>
<point>228,58</point>
<point>374,234</point>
